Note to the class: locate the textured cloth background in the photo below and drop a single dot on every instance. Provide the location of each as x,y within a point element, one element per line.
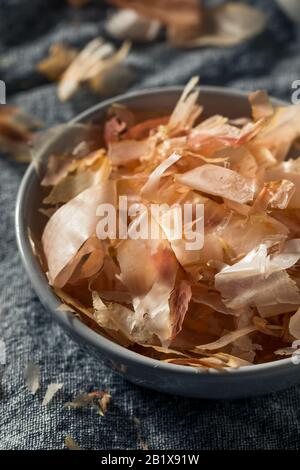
<point>27,29</point>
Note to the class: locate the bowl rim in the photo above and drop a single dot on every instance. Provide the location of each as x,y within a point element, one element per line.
<point>67,319</point>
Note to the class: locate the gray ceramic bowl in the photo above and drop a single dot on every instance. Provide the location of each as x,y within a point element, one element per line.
<point>174,379</point>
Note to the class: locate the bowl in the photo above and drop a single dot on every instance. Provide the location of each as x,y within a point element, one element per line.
<point>174,379</point>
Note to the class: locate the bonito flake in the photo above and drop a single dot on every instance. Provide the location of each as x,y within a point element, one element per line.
<point>230,300</point>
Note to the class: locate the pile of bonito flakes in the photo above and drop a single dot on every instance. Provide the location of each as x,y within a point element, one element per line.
<point>231,303</point>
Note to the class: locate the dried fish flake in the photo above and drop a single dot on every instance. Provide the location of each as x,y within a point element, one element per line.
<point>52,389</point>
<point>71,444</point>
<point>95,60</point>
<point>32,377</point>
<point>97,399</point>
<point>58,60</point>
<point>104,403</point>
<point>128,24</point>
